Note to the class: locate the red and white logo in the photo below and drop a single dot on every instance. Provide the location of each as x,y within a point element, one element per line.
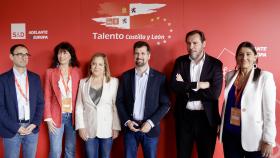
<point>133,16</point>
<point>127,16</point>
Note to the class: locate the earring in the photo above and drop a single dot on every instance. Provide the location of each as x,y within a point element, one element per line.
<point>255,66</point>
<point>236,67</point>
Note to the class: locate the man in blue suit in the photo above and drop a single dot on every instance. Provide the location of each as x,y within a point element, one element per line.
<point>21,106</point>
<point>142,101</point>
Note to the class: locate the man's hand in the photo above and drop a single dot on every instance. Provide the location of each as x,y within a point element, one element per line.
<point>30,128</point>
<point>22,131</point>
<point>131,125</point>
<point>179,78</point>
<point>203,85</point>
<point>146,127</point>
<point>51,126</point>
<point>83,134</point>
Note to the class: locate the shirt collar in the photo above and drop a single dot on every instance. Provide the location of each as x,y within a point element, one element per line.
<point>201,61</point>
<point>17,74</point>
<point>145,73</point>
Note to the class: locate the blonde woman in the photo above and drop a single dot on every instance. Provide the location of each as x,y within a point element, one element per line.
<point>96,115</point>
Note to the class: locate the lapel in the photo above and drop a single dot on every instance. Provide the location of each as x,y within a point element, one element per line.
<point>231,82</point>
<point>186,68</point>
<point>149,84</point>
<point>86,89</point>
<point>132,80</point>
<point>31,89</point>
<point>231,79</point>
<point>75,80</point>
<point>13,93</point>
<point>249,82</point>
<point>55,76</point>
<point>104,90</point>
<point>205,68</point>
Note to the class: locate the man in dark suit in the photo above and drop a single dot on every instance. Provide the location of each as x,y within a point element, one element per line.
<point>21,106</point>
<point>197,82</point>
<point>142,101</point>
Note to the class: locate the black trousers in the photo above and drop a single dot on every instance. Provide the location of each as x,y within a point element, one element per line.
<point>233,148</point>
<point>193,127</point>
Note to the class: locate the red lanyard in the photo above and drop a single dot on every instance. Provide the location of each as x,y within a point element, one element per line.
<point>26,88</point>
<point>68,79</point>
<point>239,87</point>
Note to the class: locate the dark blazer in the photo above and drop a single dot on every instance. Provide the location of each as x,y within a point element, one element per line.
<point>156,104</point>
<point>211,72</point>
<point>9,107</point>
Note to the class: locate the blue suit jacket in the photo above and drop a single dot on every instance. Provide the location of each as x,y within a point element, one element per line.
<point>9,107</point>
<point>156,104</point>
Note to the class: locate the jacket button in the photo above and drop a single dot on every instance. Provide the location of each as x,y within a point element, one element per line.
<point>243,110</point>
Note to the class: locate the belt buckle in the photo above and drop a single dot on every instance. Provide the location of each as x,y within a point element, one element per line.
<point>23,121</point>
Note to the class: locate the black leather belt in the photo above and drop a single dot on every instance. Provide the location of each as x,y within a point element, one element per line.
<point>23,121</point>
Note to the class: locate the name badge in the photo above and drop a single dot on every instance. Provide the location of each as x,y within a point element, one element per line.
<point>235,116</point>
<point>66,105</point>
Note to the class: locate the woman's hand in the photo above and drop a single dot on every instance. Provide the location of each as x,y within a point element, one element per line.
<point>266,149</point>
<point>51,126</point>
<point>83,134</point>
<point>115,134</point>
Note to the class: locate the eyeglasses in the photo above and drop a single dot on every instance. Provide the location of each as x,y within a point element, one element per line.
<point>22,55</point>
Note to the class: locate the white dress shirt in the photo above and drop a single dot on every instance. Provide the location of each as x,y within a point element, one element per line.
<point>141,81</point>
<point>195,72</point>
<point>23,106</point>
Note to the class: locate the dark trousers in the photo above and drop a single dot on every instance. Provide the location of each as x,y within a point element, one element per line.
<point>193,127</point>
<point>233,148</point>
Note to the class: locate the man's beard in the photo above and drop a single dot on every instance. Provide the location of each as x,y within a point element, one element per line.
<point>195,55</point>
<point>139,63</point>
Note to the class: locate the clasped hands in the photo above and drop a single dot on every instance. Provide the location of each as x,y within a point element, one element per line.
<point>133,126</point>
<point>26,130</point>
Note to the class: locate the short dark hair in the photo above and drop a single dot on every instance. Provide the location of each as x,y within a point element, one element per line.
<point>66,46</point>
<point>251,46</point>
<point>12,49</point>
<point>140,44</point>
<point>200,33</point>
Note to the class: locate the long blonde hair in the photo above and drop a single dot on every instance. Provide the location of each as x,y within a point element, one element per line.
<point>106,65</point>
